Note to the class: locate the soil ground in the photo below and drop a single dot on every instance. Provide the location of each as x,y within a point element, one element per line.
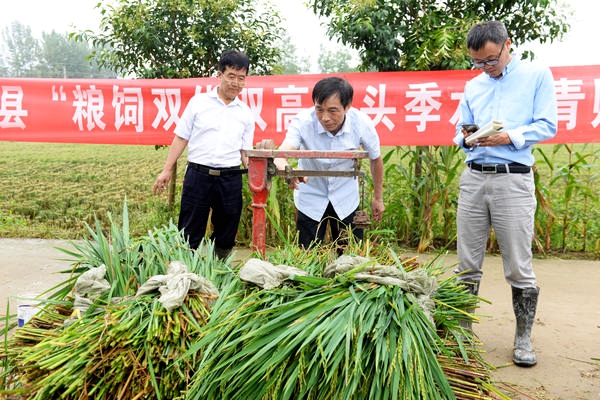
<point>566,333</point>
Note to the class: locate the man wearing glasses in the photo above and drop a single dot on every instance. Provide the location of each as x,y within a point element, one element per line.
<point>497,188</point>
<point>215,127</point>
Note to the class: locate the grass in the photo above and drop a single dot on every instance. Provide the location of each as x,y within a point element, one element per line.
<point>53,190</point>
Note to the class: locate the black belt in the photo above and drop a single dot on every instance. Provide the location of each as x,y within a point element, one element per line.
<point>512,168</point>
<point>215,171</point>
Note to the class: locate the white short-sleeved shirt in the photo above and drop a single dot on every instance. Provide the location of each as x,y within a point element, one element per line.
<point>216,132</point>
<point>305,132</point>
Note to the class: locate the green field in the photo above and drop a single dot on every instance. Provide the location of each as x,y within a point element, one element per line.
<point>53,190</point>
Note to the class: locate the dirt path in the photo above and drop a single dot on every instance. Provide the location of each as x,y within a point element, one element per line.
<point>566,334</point>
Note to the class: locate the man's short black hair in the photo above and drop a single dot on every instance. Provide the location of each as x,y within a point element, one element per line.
<point>234,59</point>
<point>490,31</point>
<point>327,87</point>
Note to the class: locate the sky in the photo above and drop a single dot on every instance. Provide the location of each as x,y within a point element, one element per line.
<point>305,30</point>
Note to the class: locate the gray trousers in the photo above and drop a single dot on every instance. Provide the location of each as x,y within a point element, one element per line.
<point>506,203</point>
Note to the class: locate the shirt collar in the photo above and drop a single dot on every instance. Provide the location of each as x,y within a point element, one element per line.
<point>213,93</point>
<point>511,66</point>
<point>345,126</point>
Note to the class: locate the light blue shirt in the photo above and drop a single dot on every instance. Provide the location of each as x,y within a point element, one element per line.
<point>305,132</point>
<point>523,99</point>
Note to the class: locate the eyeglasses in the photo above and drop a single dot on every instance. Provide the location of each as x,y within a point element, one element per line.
<point>481,64</point>
<point>233,78</point>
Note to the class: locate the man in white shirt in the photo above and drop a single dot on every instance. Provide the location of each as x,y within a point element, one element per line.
<point>216,127</point>
<point>332,124</point>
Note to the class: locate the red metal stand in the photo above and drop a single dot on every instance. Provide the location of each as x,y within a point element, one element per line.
<point>260,184</point>
<point>261,169</point>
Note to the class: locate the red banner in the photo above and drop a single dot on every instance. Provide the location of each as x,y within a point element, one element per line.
<point>408,108</point>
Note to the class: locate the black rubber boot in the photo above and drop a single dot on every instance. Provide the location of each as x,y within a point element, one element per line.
<point>524,305</point>
<point>473,288</point>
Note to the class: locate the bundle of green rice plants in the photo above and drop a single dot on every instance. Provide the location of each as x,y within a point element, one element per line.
<point>121,347</point>
<point>314,260</point>
<point>131,261</point>
<point>133,350</point>
<point>43,326</point>
<point>320,338</point>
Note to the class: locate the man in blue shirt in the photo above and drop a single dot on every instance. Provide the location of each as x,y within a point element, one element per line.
<point>497,189</point>
<point>332,124</point>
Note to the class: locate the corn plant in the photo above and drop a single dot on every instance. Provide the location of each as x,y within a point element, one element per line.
<point>281,211</point>
<point>571,208</point>
<point>421,198</point>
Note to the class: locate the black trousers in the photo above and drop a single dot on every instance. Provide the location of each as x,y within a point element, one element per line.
<point>311,232</point>
<point>203,192</point>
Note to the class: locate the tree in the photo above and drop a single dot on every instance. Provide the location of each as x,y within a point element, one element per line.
<point>3,67</point>
<point>394,35</point>
<point>337,60</point>
<point>289,62</point>
<point>54,56</point>
<point>21,58</point>
<point>60,57</point>
<point>184,38</point>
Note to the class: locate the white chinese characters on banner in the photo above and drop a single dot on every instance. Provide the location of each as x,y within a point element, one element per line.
<point>423,103</point>
<point>168,107</point>
<point>568,95</point>
<point>11,111</point>
<point>376,106</point>
<point>291,104</point>
<point>89,107</point>
<point>407,108</point>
